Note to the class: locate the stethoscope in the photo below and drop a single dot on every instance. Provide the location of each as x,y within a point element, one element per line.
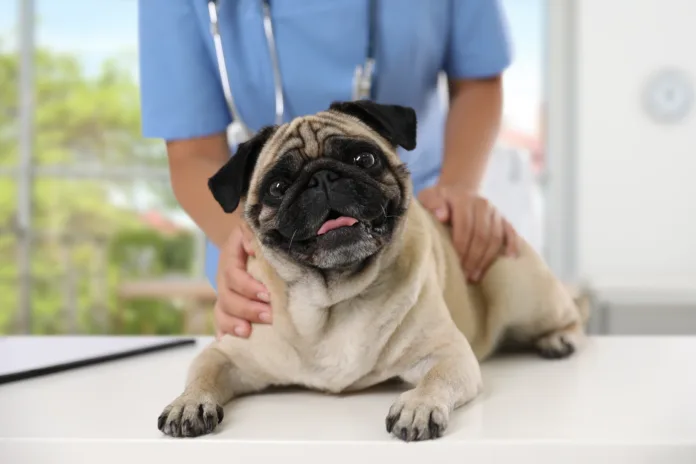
<point>238,131</point>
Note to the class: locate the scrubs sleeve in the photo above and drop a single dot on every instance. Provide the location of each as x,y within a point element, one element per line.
<point>180,92</point>
<point>478,42</point>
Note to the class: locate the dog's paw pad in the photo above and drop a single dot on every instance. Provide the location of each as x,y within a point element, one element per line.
<point>190,417</point>
<point>417,417</point>
<point>558,345</point>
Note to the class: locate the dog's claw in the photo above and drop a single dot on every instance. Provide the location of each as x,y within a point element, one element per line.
<point>391,420</point>
<point>434,428</point>
<point>187,417</point>
<point>161,420</point>
<point>414,418</point>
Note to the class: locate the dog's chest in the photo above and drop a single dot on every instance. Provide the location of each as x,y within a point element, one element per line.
<point>344,343</point>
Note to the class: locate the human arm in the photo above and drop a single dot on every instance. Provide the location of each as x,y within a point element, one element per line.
<point>473,122</point>
<point>479,53</point>
<point>182,103</point>
<point>241,299</point>
<point>191,163</point>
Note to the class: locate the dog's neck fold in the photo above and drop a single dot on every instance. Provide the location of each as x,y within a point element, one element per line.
<point>330,287</point>
<point>311,301</point>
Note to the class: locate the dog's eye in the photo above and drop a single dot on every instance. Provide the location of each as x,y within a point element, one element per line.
<point>364,160</point>
<point>277,189</point>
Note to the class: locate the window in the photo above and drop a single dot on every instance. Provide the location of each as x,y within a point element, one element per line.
<point>514,178</point>
<point>108,249</point>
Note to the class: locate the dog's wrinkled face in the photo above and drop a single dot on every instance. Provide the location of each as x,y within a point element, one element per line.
<point>326,190</point>
<point>332,210</point>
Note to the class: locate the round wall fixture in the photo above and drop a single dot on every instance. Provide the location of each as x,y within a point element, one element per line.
<point>668,96</point>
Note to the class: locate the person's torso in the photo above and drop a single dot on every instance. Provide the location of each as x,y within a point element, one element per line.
<point>319,45</point>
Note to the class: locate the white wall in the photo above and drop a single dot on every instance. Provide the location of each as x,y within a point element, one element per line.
<point>635,221</point>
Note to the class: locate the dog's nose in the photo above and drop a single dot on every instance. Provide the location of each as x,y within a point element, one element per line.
<point>323,178</point>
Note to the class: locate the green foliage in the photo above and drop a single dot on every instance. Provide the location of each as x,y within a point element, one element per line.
<point>141,253</point>
<point>82,237</point>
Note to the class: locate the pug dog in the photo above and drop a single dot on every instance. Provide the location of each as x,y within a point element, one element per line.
<point>365,284</point>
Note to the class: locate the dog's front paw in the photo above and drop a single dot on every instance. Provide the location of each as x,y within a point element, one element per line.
<point>190,416</point>
<point>416,416</point>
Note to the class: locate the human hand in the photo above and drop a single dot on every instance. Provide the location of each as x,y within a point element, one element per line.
<point>480,234</point>
<point>241,299</point>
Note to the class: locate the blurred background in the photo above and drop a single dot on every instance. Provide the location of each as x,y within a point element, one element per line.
<point>593,160</point>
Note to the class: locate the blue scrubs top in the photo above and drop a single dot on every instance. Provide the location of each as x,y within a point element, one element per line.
<point>319,44</point>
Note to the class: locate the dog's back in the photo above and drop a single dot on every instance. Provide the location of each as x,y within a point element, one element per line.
<point>517,300</point>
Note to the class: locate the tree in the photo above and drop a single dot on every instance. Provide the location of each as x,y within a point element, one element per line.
<point>85,120</point>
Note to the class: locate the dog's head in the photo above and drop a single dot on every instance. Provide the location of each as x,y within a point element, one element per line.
<point>327,190</point>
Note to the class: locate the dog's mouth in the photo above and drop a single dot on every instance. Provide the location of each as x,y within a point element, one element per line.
<point>337,224</point>
<point>334,221</point>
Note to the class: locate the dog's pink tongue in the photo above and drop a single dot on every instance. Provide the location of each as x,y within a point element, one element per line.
<point>332,224</point>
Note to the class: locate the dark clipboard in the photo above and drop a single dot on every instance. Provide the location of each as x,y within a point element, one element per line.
<point>113,355</point>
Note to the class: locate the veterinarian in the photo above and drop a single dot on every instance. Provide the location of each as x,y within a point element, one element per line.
<point>206,64</point>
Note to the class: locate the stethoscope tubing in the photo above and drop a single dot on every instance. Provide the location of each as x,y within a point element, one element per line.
<point>363,76</point>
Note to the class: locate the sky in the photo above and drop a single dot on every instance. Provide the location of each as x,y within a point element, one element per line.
<point>95,30</point>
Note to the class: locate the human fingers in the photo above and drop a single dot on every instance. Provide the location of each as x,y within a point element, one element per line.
<point>241,282</point>
<point>234,271</point>
<point>480,236</point>
<point>433,200</point>
<point>247,239</point>
<point>494,247</point>
<point>511,239</point>
<point>243,309</point>
<point>238,305</point>
<point>235,250</point>
<point>462,226</point>
<point>227,324</point>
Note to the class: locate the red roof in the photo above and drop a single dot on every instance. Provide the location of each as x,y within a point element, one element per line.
<point>156,220</point>
<point>525,141</point>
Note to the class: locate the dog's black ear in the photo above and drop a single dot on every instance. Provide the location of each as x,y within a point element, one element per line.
<point>231,183</point>
<point>395,123</point>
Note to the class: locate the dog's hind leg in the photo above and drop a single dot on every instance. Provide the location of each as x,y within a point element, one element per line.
<point>213,380</point>
<point>566,328</point>
<point>532,307</point>
<point>553,328</point>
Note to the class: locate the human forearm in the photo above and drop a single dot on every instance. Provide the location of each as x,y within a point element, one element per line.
<point>472,126</point>
<point>191,164</point>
